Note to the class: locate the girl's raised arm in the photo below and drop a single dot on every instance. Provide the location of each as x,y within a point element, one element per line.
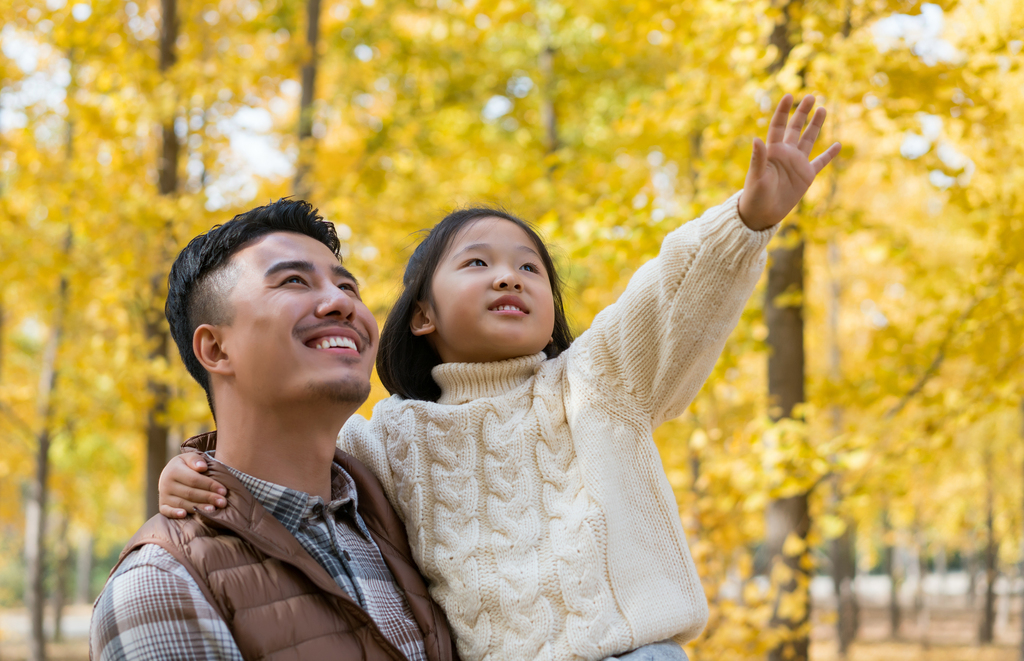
<point>658,343</point>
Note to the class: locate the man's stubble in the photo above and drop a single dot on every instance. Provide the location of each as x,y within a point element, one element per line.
<point>343,391</point>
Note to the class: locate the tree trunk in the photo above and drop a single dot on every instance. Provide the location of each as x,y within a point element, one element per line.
<point>891,568</point>
<point>1,338</point>
<point>155,326</point>
<point>548,86</point>
<point>1022,549</point>
<point>843,576</point>
<point>549,118</point>
<point>924,615</point>
<point>35,524</point>
<point>785,323</point>
<point>83,570</point>
<point>790,515</point>
<point>301,184</point>
<point>988,620</point>
<point>972,573</point>
<point>62,560</point>
<point>844,567</point>
<point>156,424</point>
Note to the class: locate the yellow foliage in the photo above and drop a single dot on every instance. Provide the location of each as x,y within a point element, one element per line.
<point>655,105</point>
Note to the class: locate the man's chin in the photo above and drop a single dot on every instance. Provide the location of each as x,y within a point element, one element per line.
<point>342,391</point>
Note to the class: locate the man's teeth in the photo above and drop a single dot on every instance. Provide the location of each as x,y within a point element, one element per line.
<point>503,308</point>
<point>343,342</point>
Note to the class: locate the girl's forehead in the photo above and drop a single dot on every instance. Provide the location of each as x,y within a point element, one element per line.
<point>492,230</point>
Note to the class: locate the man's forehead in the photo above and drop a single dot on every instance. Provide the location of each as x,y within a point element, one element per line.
<point>286,246</point>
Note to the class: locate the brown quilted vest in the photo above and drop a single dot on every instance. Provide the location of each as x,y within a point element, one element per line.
<point>278,602</point>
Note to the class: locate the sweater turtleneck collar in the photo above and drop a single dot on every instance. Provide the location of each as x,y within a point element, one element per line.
<point>464,382</point>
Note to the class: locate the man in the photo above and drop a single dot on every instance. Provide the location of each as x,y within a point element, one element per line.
<point>308,559</point>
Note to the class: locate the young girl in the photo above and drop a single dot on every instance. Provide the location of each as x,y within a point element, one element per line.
<point>521,461</point>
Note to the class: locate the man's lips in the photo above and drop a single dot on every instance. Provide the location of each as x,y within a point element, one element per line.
<point>336,339</point>
<point>509,305</point>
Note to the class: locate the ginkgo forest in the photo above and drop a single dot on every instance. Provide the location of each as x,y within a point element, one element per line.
<point>851,476</point>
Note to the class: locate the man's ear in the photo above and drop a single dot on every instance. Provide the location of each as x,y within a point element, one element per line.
<point>422,322</point>
<point>207,345</point>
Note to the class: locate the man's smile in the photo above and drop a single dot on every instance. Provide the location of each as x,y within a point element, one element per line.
<point>336,339</point>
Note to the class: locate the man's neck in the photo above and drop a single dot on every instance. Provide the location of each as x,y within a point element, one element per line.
<point>294,449</point>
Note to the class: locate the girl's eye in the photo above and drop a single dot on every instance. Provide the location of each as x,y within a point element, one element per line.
<point>476,262</point>
<point>530,267</point>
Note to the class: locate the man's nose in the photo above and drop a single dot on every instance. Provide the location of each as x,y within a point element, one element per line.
<point>336,303</point>
<point>509,281</point>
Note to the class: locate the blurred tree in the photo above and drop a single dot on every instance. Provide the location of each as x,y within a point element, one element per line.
<point>608,124</point>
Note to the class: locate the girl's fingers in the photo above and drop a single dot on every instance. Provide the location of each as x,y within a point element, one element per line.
<point>758,158</point>
<point>176,508</point>
<point>202,496</point>
<point>177,492</point>
<point>172,512</point>
<point>799,119</point>
<point>777,127</point>
<point>809,137</point>
<point>825,158</point>
<point>174,474</point>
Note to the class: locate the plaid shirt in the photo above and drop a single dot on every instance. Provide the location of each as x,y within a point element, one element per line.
<point>152,608</point>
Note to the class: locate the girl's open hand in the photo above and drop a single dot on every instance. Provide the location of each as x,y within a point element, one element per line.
<point>182,488</point>
<point>780,173</point>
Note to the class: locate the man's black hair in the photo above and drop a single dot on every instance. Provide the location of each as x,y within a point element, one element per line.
<point>404,360</point>
<point>196,287</point>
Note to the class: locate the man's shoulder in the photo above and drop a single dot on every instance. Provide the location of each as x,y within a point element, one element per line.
<point>152,608</point>
<point>141,568</point>
<point>153,556</point>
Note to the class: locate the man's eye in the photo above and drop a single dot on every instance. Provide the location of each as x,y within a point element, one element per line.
<point>295,279</point>
<point>346,287</point>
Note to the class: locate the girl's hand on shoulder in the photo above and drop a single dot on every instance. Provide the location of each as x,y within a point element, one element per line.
<point>182,488</point>
<point>780,172</point>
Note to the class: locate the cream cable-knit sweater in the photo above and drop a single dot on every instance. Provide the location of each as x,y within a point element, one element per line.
<point>533,494</point>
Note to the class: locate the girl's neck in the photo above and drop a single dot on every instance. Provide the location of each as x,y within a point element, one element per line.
<point>465,382</point>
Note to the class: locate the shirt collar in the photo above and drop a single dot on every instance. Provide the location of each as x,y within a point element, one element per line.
<point>290,506</point>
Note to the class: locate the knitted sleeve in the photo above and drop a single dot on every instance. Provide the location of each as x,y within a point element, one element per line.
<point>364,440</point>
<point>657,344</point>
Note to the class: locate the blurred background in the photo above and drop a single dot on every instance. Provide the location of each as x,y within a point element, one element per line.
<point>850,478</point>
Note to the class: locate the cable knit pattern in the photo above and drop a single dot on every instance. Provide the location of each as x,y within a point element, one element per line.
<point>532,491</point>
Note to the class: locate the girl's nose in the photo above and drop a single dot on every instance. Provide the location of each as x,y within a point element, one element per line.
<point>508,281</point>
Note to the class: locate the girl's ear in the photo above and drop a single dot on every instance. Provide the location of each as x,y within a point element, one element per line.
<point>422,322</point>
<point>208,347</point>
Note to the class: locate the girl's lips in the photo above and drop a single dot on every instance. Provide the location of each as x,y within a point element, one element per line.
<point>508,311</point>
<point>508,304</point>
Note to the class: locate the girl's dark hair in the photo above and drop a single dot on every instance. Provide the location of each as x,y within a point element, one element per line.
<point>405,360</point>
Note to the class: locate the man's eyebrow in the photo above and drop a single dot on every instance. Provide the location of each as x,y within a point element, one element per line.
<point>303,266</point>
<point>291,265</point>
<point>343,272</point>
<point>487,246</point>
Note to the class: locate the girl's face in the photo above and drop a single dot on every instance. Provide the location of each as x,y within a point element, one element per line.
<point>491,297</point>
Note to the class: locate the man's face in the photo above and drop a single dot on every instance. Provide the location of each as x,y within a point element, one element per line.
<point>299,330</point>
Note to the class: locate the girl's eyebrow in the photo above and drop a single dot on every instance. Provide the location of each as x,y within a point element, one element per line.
<point>487,246</point>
